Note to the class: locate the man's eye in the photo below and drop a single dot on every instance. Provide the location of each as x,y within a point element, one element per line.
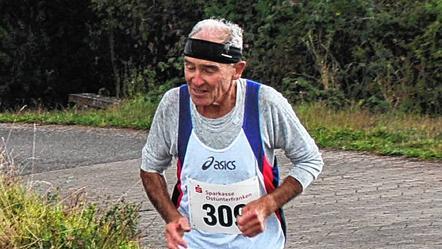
<point>209,70</point>
<point>189,67</point>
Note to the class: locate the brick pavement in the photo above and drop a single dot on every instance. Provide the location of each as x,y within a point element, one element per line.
<point>359,201</point>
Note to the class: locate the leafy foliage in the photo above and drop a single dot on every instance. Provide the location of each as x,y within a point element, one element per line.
<point>43,54</point>
<point>141,41</point>
<point>380,54</point>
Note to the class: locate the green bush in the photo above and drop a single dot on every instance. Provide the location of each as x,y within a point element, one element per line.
<point>381,54</point>
<point>28,220</point>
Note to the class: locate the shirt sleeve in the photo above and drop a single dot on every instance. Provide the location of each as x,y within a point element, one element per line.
<point>160,146</point>
<point>283,130</point>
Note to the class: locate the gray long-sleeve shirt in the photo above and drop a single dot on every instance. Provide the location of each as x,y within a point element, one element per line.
<point>280,129</point>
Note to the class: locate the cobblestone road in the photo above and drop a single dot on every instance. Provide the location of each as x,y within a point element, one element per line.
<point>359,201</point>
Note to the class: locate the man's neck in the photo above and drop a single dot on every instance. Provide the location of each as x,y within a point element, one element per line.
<point>223,105</point>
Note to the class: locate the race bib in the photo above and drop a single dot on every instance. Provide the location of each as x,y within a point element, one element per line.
<point>214,207</point>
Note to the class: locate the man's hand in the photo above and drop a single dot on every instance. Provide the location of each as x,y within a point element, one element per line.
<point>156,189</point>
<point>175,231</point>
<point>254,215</point>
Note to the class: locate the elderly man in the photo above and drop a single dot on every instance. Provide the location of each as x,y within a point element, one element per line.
<point>223,130</point>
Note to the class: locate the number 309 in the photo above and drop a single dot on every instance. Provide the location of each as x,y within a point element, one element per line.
<point>223,215</point>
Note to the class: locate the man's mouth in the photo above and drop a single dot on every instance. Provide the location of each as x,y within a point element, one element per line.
<point>199,92</point>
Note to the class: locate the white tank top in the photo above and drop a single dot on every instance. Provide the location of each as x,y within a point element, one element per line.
<point>213,184</point>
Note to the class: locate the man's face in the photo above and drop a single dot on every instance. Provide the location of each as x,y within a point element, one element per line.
<point>208,81</point>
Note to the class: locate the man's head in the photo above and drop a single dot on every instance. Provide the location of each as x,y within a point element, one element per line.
<point>219,31</point>
<point>231,34</point>
<point>213,63</point>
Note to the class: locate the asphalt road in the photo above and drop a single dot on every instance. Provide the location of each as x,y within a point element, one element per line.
<point>38,148</point>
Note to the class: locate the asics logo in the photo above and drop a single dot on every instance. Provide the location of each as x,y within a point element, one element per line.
<point>218,165</point>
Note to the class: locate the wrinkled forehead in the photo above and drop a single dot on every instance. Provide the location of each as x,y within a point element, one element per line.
<point>201,62</point>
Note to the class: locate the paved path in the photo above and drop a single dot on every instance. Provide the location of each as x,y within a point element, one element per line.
<point>49,147</point>
<point>359,201</point>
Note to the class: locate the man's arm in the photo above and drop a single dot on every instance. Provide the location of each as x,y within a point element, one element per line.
<point>282,129</point>
<point>156,189</point>
<point>254,214</point>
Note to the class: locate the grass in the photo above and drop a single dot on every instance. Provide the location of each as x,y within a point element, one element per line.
<point>392,133</point>
<point>134,113</point>
<point>351,129</point>
<point>29,220</point>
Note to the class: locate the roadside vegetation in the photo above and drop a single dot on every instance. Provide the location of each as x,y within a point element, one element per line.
<point>381,54</point>
<point>392,133</point>
<point>29,219</point>
<point>354,128</point>
<point>134,113</point>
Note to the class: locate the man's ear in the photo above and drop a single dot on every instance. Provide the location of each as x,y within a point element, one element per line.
<point>239,68</point>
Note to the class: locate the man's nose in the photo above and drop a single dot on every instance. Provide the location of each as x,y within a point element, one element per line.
<point>197,80</point>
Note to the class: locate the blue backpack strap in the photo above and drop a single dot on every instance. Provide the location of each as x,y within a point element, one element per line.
<point>251,124</point>
<point>184,122</point>
<point>184,130</point>
<point>251,127</point>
